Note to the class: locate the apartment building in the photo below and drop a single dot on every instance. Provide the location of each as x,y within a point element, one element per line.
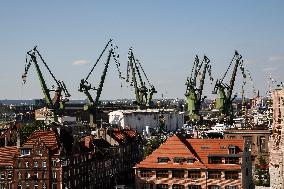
<point>196,164</point>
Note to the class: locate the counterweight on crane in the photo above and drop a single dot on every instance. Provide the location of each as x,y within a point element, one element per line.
<point>143,95</point>
<point>57,103</point>
<point>85,86</point>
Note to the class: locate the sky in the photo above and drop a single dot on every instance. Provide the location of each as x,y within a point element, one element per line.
<point>165,36</point>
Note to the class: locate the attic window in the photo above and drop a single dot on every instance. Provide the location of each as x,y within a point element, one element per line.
<point>190,160</point>
<point>232,149</point>
<point>179,159</point>
<point>25,152</point>
<point>204,147</point>
<point>163,159</point>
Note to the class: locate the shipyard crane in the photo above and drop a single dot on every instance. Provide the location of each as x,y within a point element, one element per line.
<point>225,98</point>
<point>143,95</point>
<point>85,86</point>
<point>194,93</point>
<point>57,103</point>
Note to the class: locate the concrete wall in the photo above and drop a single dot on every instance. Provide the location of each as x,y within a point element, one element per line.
<point>139,119</point>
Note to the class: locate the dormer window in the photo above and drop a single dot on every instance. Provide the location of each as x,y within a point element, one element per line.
<point>163,159</point>
<point>25,152</point>
<point>178,159</point>
<point>190,160</point>
<point>232,149</point>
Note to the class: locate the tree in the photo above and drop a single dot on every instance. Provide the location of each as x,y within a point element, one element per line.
<point>262,173</point>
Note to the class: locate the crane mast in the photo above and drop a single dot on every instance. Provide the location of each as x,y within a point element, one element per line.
<point>85,86</point>
<point>143,95</point>
<point>225,99</point>
<point>57,103</point>
<point>193,93</point>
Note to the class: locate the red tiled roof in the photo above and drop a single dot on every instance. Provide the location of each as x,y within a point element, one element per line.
<point>191,148</point>
<point>49,138</point>
<point>6,155</point>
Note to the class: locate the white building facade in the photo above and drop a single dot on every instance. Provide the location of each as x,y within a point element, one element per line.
<point>139,120</point>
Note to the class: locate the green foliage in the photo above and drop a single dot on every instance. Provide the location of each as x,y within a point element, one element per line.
<point>153,144</point>
<point>27,129</point>
<point>262,173</point>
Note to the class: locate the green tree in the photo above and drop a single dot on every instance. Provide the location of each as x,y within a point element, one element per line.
<point>262,173</point>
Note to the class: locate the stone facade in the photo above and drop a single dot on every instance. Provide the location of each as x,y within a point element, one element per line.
<point>276,145</point>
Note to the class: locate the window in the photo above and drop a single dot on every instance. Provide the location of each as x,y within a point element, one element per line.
<point>27,184</point>
<point>3,176</point>
<point>215,160</point>
<point>146,173</point>
<point>9,176</point>
<point>162,174</point>
<point>194,187</point>
<point>44,164</point>
<point>178,186</point>
<point>19,164</point>
<point>54,174</point>
<point>231,174</point>
<point>54,163</point>
<point>190,160</point>
<point>178,159</point>
<point>147,186</point>
<point>27,175</point>
<point>19,185</point>
<point>25,152</point>
<point>44,185</point>
<point>163,159</point>
<point>232,150</point>
<point>178,173</point>
<point>232,160</point>
<point>54,186</point>
<point>194,174</point>
<point>44,175</point>
<point>39,152</point>
<point>231,187</point>
<point>214,174</point>
<point>262,144</point>
<point>35,164</point>
<point>27,164</point>
<point>35,175</point>
<point>36,185</point>
<point>162,186</point>
<point>19,175</point>
<point>248,140</point>
<point>214,187</point>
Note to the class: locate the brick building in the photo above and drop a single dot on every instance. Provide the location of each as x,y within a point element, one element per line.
<point>52,159</point>
<point>276,142</point>
<point>196,164</point>
<point>257,141</point>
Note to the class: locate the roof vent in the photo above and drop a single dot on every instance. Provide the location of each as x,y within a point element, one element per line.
<point>163,159</point>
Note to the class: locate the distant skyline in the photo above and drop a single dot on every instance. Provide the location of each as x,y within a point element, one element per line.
<point>165,35</point>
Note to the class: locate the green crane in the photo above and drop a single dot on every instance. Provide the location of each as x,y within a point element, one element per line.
<point>57,103</point>
<point>194,93</point>
<point>225,98</point>
<point>85,86</point>
<point>143,95</point>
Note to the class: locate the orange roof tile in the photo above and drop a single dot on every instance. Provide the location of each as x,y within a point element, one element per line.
<point>199,149</point>
<point>6,155</point>
<point>49,138</point>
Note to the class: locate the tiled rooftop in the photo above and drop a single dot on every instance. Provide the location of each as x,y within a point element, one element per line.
<point>199,149</point>
<point>6,155</point>
<point>49,138</point>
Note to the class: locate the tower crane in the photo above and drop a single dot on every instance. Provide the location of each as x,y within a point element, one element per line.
<point>225,99</point>
<point>85,86</point>
<point>194,93</point>
<point>143,95</point>
<point>57,103</point>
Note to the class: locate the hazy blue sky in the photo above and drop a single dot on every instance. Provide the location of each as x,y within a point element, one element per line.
<point>165,35</point>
